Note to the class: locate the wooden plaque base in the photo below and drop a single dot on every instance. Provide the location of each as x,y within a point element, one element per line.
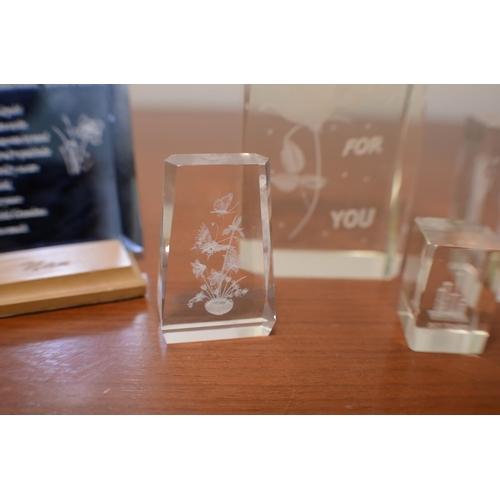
<point>66,276</point>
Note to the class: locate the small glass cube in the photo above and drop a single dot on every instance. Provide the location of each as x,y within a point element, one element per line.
<point>216,270</point>
<point>447,302</point>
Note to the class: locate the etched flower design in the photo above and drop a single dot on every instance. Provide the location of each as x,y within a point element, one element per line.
<point>216,277</point>
<point>310,107</point>
<point>293,162</point>
<point>232,261</point>
<point>240,292</point>
<point>75,141</point>
<point>90,130</point>
<point>198,268</point>
<point>220,285</point>
<point>199,297</point>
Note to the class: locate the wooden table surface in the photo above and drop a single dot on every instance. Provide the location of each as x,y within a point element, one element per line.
<point>337,346</point>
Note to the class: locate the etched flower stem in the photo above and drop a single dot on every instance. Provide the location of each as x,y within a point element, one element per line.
<point>229,245</point>
<point>209,288</point>
<point>225,257</point>
<point>81,151</point>
<point>72,161</point>
<point>69,127</point>
<point>226,289</point>
<point>230,289</point>
<point>315,198</point>
<point>291,132</point>
<point>305,199</point>
<point>287,137</point>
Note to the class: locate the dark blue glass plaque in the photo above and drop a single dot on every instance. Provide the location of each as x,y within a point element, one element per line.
<point>66,166</point>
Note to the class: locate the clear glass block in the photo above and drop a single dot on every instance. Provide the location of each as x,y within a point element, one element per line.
<point>476,196</point>
<point>216,267</point>
<point>447,301</point>
<point>343,158</point>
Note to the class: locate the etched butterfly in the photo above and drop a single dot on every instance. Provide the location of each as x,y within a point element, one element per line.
<point>221,206</point>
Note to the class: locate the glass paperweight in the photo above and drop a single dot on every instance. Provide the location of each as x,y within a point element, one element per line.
<point>476,196</point>
<point>216,267</point>
<point>343,159</point>
<point>447,300</point>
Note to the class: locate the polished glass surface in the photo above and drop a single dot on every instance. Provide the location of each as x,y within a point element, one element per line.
<point>216,273</point>
<point>447,301</point>
<point>66,166</point>
<point>341,173</point>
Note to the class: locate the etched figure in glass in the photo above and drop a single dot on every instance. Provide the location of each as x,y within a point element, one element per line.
<point>220,284</point>
<point>447,301</point>
<point>343,159</point>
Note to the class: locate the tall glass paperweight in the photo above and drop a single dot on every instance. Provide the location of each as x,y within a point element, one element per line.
<point>447,300</point>
<point>343,159</point>
<point>216,267</point>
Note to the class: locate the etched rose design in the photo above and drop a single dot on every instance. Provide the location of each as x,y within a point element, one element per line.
<point>310,107</point>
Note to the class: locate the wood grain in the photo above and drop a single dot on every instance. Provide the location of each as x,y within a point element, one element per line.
<point>337,347</point>
<point>43,279</point>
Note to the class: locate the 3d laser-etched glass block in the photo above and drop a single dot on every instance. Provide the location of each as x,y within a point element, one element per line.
<point>216,267</point>
<point>476,195</point>
<point>447,301</point>
<point>343,159</point>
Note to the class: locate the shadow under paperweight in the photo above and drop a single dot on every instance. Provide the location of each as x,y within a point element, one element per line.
<point>216,270</point>
<point>447,302</point>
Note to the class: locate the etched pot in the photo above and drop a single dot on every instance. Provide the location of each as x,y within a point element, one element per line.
<point>219,306</point>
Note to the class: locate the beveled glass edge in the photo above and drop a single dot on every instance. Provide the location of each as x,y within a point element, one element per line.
<point>181,160</point>
<point>487,239</point>
<point>167,214</point>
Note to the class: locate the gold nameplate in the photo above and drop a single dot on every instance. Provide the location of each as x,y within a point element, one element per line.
<point>63,276</point>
